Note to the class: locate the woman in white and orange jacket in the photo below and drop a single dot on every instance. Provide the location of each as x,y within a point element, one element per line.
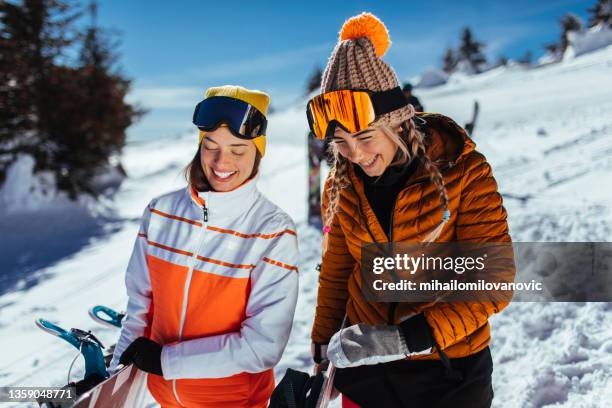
<point>212,282</point>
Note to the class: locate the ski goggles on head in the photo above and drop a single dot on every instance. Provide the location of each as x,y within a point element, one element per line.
<point>353,109</point>
<point>244,120</point>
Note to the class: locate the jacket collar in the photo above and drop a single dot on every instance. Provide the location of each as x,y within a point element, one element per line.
<point>445,142</point>
<point>228,204</point>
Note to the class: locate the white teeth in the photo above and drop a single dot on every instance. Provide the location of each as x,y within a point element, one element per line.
<point>223,175</point>
<point>370,162</point>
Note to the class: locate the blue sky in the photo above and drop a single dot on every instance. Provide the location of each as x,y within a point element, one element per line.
<point>175,50</point>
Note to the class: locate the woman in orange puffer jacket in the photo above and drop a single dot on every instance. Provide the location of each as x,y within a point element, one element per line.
<point>397,176</point>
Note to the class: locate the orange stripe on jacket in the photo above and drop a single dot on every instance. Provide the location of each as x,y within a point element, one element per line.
<point>223,230</point>
<point>241,235</point>
<point>201,258</point>
<point>176,217</point>
<point>282,265</point>
<point>222,263</point>
<point>167,248</point>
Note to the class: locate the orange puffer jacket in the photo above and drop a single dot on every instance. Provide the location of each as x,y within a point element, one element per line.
<point>477,215</point>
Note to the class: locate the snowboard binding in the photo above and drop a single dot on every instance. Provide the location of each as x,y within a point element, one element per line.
<point>96,362</point>
<point>84,341</point>
<point>90,348</point>
<point>106,316</point>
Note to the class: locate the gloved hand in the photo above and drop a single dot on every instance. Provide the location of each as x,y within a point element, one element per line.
<point>319,356</point>
<point>87,383</point>
<point>362,344</point>
<point>145,354</point>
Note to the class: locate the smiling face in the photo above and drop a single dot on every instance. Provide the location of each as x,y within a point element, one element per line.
<point>227,160</point>
<point>371,149</point>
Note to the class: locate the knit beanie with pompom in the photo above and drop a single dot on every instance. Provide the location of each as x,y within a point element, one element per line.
<point>356,63</point>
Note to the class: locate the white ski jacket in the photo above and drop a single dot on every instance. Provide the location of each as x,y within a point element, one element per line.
<point>213,277</point>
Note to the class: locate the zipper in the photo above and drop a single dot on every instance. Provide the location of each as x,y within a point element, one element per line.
<point>362,215</point>
<point>393,305</point>
<point>192,264</point>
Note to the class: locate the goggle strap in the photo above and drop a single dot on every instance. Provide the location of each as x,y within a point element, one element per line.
<point>388,101</point>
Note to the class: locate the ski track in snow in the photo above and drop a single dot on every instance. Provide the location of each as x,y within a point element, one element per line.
<point>548,136</point>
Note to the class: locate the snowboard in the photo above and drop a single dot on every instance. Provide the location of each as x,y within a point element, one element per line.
<point>327,389</point>
<point>316,155</point>
<point>126,388</point>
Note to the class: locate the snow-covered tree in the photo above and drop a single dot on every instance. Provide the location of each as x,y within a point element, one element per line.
<point>88,138</point>
<point>449,61</point>
<point>501,61</point>
<point>570,22</point>
<point>470,51</point>
<point>69,115</point>
<point>601,12</point>
<point>553,53</point>
<point>552,48</point>
<point>527,58</point>
<point>33,36</point>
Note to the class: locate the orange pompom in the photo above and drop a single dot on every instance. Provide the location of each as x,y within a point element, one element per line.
<point>367,25</point>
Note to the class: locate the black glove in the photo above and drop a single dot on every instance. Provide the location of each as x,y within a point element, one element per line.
<point>145,353</point>
<point>88,383</point>
<point>417,333</point>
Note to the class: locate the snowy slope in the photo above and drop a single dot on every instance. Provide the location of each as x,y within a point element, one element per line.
<point>548,135</point>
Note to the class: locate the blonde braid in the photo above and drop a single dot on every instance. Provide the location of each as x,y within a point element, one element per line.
<point>417,146</point>
<point>339,176</point>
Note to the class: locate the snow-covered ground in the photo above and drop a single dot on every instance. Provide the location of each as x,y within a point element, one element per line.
<point>547,133</point>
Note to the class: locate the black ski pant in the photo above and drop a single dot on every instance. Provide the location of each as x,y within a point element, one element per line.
<point>424,383</point>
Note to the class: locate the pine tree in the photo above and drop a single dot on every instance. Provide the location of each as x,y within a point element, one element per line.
<point>15,83</point>
<point>314,81</point>
<point>470,50</point>
<point>449,61</point>
<point>71,117</point>
<point>527,58</point>
<point>97,44</point>
<point>552,48</point>
<point>501,61</point>
<point>33,36</point>
<point>569,22</point>
<point>89,124</point>
<point>601,12</point>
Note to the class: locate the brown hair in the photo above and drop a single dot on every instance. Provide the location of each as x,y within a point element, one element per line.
<point>411,144</point>
<point>194,174</point>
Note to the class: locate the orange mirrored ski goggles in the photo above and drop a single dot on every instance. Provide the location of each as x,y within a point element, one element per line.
<point>353,109</point>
